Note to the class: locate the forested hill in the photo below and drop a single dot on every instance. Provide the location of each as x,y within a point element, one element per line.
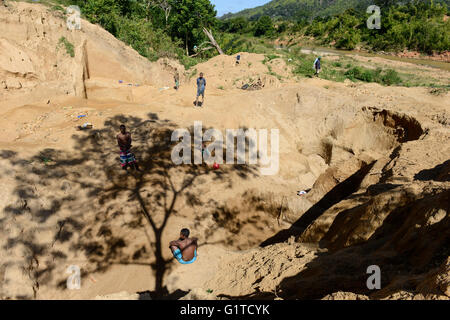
<point>297,9</point>
<point>289,9</point>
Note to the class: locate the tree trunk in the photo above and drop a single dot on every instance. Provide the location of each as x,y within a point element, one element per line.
<point>187,49</point>
<point>202,50</point>
<point>213,41</point>
<point>167,13</point>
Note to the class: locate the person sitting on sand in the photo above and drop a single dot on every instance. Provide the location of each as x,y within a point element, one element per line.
<point>184,249</point>
<point>201,85</point>
<point>126,156</point>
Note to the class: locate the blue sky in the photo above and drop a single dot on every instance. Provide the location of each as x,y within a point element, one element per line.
<point>225,6</point>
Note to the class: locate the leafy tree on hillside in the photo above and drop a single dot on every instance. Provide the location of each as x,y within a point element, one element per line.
<point>282,27</point>
<point>264,27</point>
<point>235,25</point>
<point>103,12</point>
<point>418,25</point>
<point>188,18</point>
<point>164,5</point>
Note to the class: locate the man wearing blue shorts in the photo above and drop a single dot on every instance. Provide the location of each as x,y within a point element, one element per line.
<point>201,85</point>
<point>184,249</point>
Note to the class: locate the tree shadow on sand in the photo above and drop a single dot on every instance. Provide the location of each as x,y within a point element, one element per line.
<point>92,208</point>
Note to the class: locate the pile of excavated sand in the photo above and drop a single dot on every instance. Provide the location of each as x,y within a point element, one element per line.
<point>222,71</point>
<point>35,65</point>
<point>373,160</point>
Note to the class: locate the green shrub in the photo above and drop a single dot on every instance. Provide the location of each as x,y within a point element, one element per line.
<point>264,27</point>
<point>391,77</point>
<point>304,65</point>
<point>57,8</point>
<point>354,73</point>
<point>69,46</point>
<point>415,25</point>
<point>387,77</point>
<point>188,62</point>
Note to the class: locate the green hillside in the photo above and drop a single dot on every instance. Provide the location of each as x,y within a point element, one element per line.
<point>295,9</point>
<point>288,9</point>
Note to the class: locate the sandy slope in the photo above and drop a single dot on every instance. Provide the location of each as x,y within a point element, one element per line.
<point>375,159</point>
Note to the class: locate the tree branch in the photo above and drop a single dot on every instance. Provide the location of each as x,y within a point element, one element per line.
<point>213,41</point>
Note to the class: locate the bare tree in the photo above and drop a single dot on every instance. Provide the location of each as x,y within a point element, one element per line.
<point>163,4</point>
<point>213,41</point>
<point>212,44</point>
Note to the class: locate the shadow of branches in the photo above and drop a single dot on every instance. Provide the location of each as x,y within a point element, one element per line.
<point>89,210</point>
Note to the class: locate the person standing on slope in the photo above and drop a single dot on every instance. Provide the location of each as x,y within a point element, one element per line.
<point>317,66</point>
<point>201,85</point>
<point>126,156</point>
<point>176,78</point>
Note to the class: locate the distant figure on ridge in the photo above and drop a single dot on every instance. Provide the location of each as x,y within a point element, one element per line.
<point>201,85</point>
<point>238,59</point>
<point>317,66</point>
<point>126,156</point>
<point>184,249</point>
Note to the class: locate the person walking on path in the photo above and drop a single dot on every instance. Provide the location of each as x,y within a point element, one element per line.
<point>317,66</point>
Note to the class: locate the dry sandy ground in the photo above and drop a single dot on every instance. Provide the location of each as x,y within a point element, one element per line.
<point>376,161</point>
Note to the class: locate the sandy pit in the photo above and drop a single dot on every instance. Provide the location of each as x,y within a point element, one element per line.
<point>374,161</point>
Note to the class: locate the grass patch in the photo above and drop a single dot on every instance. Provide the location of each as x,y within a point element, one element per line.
<point>269,57</point>
<point>189,62</point>
<point>69,46</point>
<point>57,8</point>
<point>386,77</point>
<point>304,65</point>
<point>193,73</point>
<point>333,75</point>
<point>335,71</point>
<point>271,73</point>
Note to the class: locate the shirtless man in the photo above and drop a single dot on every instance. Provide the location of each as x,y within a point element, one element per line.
<point>126,156</point>
<point>184,249</point>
